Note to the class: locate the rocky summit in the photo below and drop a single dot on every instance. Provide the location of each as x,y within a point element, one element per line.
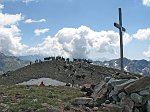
<point>103,89</point>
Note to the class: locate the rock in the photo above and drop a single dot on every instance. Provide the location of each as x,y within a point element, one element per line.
<point>112,108</point>
<point>82,100</point>
<point>95,109</point>
<point>113,82</point>
<point>87,109</point>
<point>113,93</point>
<point>136,98</point>
<point>138,85</point>
<point>87,88</point>
<point>100,100</point>
<point>98,88</point>
<point>52,109</point>
<point>127,104</point>
<point>144,92</point>
<point>123,85</point>
<point>136,110</point>
<point>115,98</point>
<point>107,79</point>
<point>148,106</point>
<point>121,95</point>
<point>107,102</point>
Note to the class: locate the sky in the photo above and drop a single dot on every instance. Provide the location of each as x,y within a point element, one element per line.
<point>74,28</point>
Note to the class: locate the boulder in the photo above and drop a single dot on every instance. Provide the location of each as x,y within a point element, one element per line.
<point>87,109</point>
<point>127,104</point>
<point>99,89</point>
<point>138,85</point>
<point>136,98</point>
<point>113,82</point>
<point>112,108</point>
<point>144,92</point>
<point>82,100</point>
<point>123,85</point>
<point>121,95</point>
<point>136,110</point>
<point>101,99</point>
<point>95,109</point>
<point>112,93</point>
<point>107,79</point>
<point>148,106</point>
<point>52,109</point>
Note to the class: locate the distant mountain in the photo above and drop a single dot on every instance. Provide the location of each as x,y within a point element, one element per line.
<point>134,66</point>
<point>9,63</point>
<point>31,57</point>
<point>102,59</point>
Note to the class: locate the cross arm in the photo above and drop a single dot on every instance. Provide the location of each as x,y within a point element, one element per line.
<point>119,27</point>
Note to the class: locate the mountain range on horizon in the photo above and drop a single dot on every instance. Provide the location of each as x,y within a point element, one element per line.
<point>133,66</point>
<point>8,63</point>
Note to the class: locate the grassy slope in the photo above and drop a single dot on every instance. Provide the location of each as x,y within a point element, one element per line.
<point>34,98</point>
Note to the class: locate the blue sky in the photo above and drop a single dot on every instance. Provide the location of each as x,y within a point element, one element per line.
<point>75,28</point>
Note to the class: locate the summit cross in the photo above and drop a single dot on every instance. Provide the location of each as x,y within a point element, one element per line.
<point>121,30</point>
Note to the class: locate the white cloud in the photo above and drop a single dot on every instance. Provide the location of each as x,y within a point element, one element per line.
<point>10,37</point>
<point>79,42</point>
<point>146,3</point>
<point>28,1</point>
<point>142,34</point>
<point>9,19</point>
<point>1,6</point>
<point>38,32</point>
<point>147,53</point>
<point>34,21</point>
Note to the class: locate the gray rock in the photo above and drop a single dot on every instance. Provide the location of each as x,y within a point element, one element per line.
<point>107,102</point>
<point>144,92</point>
<point>113,82</point>
<point>112,93</point>
<point>127,104</point>
<point>136,98</point>
<point>123,85</point>
<point>148,106</point>
<point>112,108</point>
<point>136,110</point>
<point>107,79</point>
<point>95,109</point>
<point>100,100</point>
<point>52,109</point>
<point>138,85</point>
<point>99,89</point>
<point>82,100</point>
<point>115,98</point>
<point>121,95</point>
<point>87,109</point>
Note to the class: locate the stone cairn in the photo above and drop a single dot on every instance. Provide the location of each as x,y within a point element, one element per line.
<point>121,94</point>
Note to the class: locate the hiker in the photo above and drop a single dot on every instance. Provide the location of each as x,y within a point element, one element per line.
<point>42,84</point>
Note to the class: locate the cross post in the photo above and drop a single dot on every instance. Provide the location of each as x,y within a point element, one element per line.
<point>121,30</point>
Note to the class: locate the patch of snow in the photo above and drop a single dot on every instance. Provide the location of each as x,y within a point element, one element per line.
<point>106,64</point>
<point>125,68</point>
<point>46,81</point>
<point>115,63</point>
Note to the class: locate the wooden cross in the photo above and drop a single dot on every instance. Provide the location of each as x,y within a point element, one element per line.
<point>121,30</point>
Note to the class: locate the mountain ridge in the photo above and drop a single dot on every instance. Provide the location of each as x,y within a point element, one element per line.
<point>134,66</point>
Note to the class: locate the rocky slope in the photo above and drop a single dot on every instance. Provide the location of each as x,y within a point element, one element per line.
<point>70,72</point>
<point>117,95</point>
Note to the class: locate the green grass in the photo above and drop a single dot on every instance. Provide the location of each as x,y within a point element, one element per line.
<point>34,98</point>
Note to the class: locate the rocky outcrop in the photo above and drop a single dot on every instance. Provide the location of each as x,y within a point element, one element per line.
<point>122,95</point>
